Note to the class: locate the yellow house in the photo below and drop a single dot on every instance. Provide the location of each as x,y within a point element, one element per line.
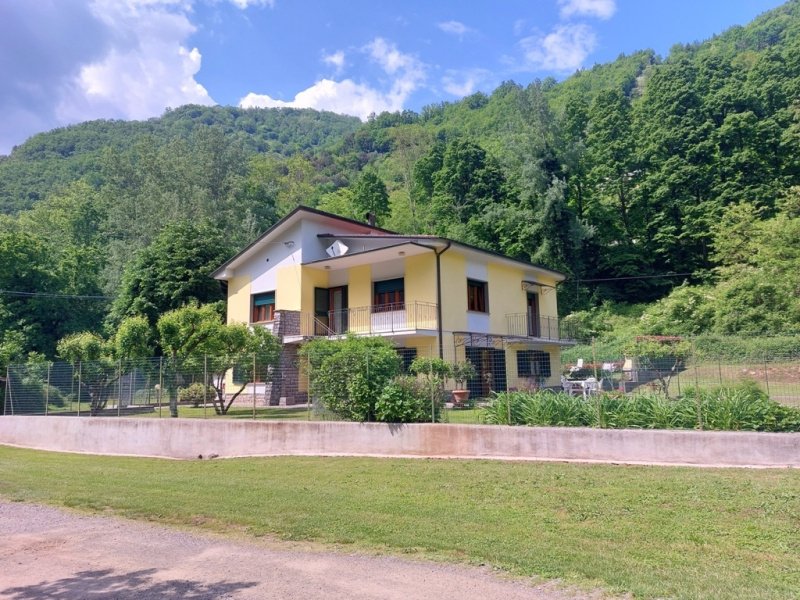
<point>316,274</point>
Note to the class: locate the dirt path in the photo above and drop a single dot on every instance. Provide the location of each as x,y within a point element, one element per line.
<point>51,553</point>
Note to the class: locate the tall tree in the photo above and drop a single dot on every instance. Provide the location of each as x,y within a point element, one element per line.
<point>172,272</point>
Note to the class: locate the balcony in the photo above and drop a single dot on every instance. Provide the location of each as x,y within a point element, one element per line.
<point>386,319</point>
<point>542,328</point>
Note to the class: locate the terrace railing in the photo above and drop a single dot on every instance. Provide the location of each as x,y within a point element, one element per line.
<point>533,326</point>
<point>374,320</point>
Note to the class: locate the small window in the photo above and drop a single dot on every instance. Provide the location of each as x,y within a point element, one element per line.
<point>388,295</point>
<point>477,296</point>
<point>263,307</point>
<point>533,363</point>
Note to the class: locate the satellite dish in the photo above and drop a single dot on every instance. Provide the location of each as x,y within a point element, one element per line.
<point>337,248</point>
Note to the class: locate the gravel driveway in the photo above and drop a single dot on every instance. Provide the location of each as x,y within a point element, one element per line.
<point>52,553</point>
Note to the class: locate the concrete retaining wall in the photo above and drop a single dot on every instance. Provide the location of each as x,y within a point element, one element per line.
<point>189,438</point>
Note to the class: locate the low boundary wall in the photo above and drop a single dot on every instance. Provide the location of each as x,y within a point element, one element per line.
<point>192,438</point>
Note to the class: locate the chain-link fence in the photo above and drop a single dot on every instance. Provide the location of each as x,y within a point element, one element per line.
<point>302,385</point>
<point>703,363</point>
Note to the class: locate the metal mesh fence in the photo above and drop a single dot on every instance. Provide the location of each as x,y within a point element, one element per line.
<point>298,386</point>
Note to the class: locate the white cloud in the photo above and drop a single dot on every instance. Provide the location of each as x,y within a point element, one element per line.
<point>464,83</point>
<point>352,98</point>
<point>455,28</point>
<point>146,70</point>
<point>602,9</point>
<point>243,4</point>
<point>77,60</point>
<point>563,49</point>
<point>336,59</point>
<point>344,97</point>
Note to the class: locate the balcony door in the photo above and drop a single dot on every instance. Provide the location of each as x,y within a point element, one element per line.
<point>534,328</point>
<point>330,310</point>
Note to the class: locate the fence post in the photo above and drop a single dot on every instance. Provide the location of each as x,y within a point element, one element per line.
<point>6,392</point>
<point>46,390</point>
<point>119,385</point>
<point>433,394</point>
<point>766,375</point>
<point>719,368</point>
<point>309,397</point>
<point>160,382</point>
<point>698,398</point>
<point>80,373</point>
<point>205,386</point>
<point>254,386</point>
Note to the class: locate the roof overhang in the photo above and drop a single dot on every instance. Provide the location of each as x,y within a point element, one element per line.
<point>345,261</point>
<point>277,233</point>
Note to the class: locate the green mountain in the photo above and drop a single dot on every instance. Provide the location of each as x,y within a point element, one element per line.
<point>631,177</point>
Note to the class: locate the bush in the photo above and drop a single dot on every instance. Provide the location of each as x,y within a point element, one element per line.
<point>194,394</point>
<point>348,376</point>
<point>404,400</point>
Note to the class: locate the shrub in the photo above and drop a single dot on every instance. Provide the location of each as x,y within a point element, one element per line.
<point>194,394</point>
<point>348,376</point>
<point>404,400</point>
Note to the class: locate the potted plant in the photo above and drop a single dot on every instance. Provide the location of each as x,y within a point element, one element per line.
<point>461,371</point>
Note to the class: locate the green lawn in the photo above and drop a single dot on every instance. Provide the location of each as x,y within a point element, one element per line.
<point>653,531</point>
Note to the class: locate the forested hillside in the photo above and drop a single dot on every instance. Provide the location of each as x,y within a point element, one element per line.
<point>632,177</point>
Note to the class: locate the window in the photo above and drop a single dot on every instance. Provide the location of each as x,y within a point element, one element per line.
<point>263,307</point>
<point>533,363</point>
<point>476,296</point>
<point>407,356</point>
<point>388,295</point>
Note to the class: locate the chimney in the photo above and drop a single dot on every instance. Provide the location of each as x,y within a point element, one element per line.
<point>370,216</point>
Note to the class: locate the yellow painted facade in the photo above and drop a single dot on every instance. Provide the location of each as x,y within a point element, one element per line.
<point>420,278</point>
<point>359,286</point>
<point>239,300</point>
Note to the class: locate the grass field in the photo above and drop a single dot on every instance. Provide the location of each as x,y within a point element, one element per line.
<point>652,531</point>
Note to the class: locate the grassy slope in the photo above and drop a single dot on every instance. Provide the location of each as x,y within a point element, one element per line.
<point>656,532</point>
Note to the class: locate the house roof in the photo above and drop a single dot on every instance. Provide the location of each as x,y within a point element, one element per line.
<point>366,231</point>
<point>284,224</point>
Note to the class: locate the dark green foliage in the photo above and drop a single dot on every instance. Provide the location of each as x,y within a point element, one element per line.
<point>407,400</point>
<point>370,197</point>
<point>49,161</point>
<point>348,376</point>
<point>172,272</point>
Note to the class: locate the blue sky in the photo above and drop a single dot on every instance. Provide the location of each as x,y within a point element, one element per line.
<point>66,61</point>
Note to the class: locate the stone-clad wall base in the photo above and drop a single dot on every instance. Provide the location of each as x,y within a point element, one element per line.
<point>189,438</point>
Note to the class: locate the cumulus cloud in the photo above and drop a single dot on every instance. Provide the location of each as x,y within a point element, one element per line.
<point>76,60</point>
<point>464,83</point>
<point>563,49</point>
<point>348,97</point>
<point>602,9</point>
<point>147,68</point>
<point>344,97</point>
<point>455,28</point>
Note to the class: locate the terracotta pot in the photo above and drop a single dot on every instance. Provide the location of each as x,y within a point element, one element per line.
<point>460,397</point>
